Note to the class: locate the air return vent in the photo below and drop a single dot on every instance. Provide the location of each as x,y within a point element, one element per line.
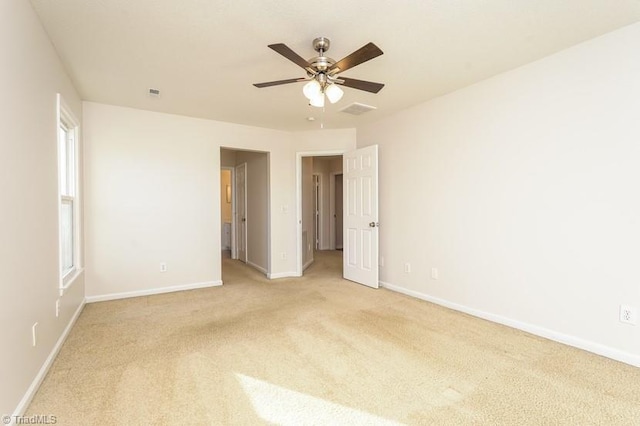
<point>357,108</point>
<point>154,93</point>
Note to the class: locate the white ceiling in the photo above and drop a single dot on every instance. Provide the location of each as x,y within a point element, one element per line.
<point>204,55</point>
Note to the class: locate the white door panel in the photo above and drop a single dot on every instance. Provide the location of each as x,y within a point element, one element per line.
<point>360,169</point>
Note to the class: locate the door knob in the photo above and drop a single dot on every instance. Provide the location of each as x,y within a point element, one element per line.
<point>373,224</point>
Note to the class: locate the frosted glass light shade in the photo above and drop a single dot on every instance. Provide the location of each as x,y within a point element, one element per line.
<point>317,100</point>
<point>334,93</point>
<point>311,89</point>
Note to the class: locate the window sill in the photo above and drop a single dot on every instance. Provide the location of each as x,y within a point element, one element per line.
<point>69,280</point>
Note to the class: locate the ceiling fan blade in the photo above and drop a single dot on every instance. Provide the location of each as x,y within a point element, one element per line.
<point>365,53</point>
<point>285,51</point>
<point>367,86</point>
<point>279,82</point>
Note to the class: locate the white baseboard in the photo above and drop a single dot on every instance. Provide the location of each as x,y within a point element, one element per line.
<point>258,267</point>
<point>283,275</point>
<point>306,265</point>
<point>566,339</point>
<point>33,388</point>
<point>151,291</point>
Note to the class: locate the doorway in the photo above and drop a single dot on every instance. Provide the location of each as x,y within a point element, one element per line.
<point>228,244</point>
<point>360,212</point>
<point>248,195</point>
<point>317,205</point>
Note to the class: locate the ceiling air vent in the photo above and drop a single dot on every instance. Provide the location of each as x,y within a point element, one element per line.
<point>357,108</point>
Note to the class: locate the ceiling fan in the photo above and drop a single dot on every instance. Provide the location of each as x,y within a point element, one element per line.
<point>322,72</point>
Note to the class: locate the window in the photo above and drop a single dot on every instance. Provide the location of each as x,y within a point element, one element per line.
<point>68,194</point>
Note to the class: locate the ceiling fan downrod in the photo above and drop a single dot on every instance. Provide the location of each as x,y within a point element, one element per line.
<point>321,62</point>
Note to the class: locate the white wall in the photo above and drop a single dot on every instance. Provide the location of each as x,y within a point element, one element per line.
<point>152,195</point>
<point>320,141</point>
<point>523,191</point>
<point>30,76</point>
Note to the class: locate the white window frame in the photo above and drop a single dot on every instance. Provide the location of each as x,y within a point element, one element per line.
<point>69,193</point>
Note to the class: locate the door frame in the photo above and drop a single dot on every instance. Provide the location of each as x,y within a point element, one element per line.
<point>299,156</point>
<point>246,221</point>
<point>318,213</point>
<point>234,255</point>
<point>332,209</point>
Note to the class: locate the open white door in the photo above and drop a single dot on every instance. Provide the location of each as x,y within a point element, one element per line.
<point>360,221</point>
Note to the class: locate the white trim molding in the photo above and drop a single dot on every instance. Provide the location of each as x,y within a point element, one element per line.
<point>37,381</point>
<point>306,265</point>
<point>576,342</point>
<point>283,275</point>
<point>257,267</point>
<point>73,277</point>
<point>151,291</point>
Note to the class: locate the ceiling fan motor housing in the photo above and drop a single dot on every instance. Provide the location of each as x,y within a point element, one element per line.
<point>321,63</point>
<point>321,43</point>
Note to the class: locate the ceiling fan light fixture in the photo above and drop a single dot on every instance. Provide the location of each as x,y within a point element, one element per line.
<point>322,71</point>
<point>317,100</point>
<point>312,89</point>
<point>334,93</point>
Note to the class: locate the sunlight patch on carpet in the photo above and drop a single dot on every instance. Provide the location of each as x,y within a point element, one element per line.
<point>286,407</point>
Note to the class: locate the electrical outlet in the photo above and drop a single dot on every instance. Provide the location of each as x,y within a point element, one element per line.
<point>407,267</point>
<point>283,255</point>
<point>628,314</point>
<point>163,267</point>
<point>382,261</point>
<point>57,308</point>
<point>434,273</point>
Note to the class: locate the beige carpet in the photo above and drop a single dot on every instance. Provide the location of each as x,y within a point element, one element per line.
<point>320,350</point>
